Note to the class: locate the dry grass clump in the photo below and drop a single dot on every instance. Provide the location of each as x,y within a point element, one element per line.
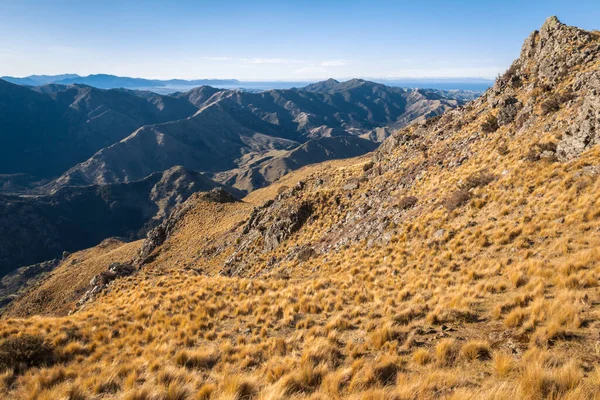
<point>407,202</point>
<point>475,350</point>
<point>504,364</point>
<point>446,352</point>
<point>385,334</point>
<point>422,356</point>
<point>539,382</point>
<point>490,124</point>
<point>456,199</point>
<point>199,359</point>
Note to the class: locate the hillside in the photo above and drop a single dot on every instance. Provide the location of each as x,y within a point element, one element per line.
<point>40,228</point>
<point>272,167</point>
<point>48,129</point>
<point>461,261</point>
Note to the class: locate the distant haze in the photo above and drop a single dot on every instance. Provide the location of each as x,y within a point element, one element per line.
<point>104,81</point>
<point>274,40</point>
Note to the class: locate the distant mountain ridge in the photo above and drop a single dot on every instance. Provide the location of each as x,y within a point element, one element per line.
<point>106,81</point>
<point>52,129</point>
<point>47,129</point>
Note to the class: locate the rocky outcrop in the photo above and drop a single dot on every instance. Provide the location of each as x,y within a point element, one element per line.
<point>584,130</point>
<point>269,226</point>
<point>102,280</point>
<point>548,57</point>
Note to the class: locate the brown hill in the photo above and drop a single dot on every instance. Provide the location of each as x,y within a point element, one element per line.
<point>460,262</point>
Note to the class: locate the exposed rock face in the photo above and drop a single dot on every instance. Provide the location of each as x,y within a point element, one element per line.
<point>584,131</point>
<point>114,271</point>
<point>101,281</point>
<point>508,111</point>
<point>268,227</point>
<point>548,56</point>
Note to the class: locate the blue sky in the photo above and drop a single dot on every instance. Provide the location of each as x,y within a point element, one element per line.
<point>274,40</point>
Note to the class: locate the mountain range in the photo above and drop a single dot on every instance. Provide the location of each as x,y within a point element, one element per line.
<point>67,147</point>
<point>94,136</point>
<point>458,260</point>
<point>105,81</point>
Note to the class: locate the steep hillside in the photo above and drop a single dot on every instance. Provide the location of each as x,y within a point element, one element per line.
<point>272,167</point>
<point>60,288</point>
<point>48,129</point>
<point>63,283</point>
<point>460,262</point>
<point>39,228</point>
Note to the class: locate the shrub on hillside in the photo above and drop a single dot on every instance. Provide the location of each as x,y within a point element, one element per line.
<point>490,124</point>
<point>479,179</point>
<point>538,151</point>
<point>553,103</point>
<point>25,351</point>
<point>456,199</point>
<point>407,202</point>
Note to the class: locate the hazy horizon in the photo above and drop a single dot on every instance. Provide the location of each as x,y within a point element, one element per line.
<point>273,41</point>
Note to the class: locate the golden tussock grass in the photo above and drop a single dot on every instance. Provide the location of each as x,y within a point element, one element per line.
<point>494,297</point>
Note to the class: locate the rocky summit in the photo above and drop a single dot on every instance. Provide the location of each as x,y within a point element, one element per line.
<point>458,259</point>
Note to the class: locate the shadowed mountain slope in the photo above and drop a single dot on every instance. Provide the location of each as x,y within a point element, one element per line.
<point>48,129</point>
<point>34,229</point>
<point>234,129</point>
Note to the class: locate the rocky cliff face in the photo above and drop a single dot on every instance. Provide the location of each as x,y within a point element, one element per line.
<point>559,60</point>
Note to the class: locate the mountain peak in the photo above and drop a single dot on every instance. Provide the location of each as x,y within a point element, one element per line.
<point>552,23</point>
<point>321,86</point>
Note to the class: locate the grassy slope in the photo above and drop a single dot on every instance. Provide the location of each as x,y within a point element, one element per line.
<point>495,298</point>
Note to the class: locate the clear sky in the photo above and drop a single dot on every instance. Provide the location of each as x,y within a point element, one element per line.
<point>274,40</point>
